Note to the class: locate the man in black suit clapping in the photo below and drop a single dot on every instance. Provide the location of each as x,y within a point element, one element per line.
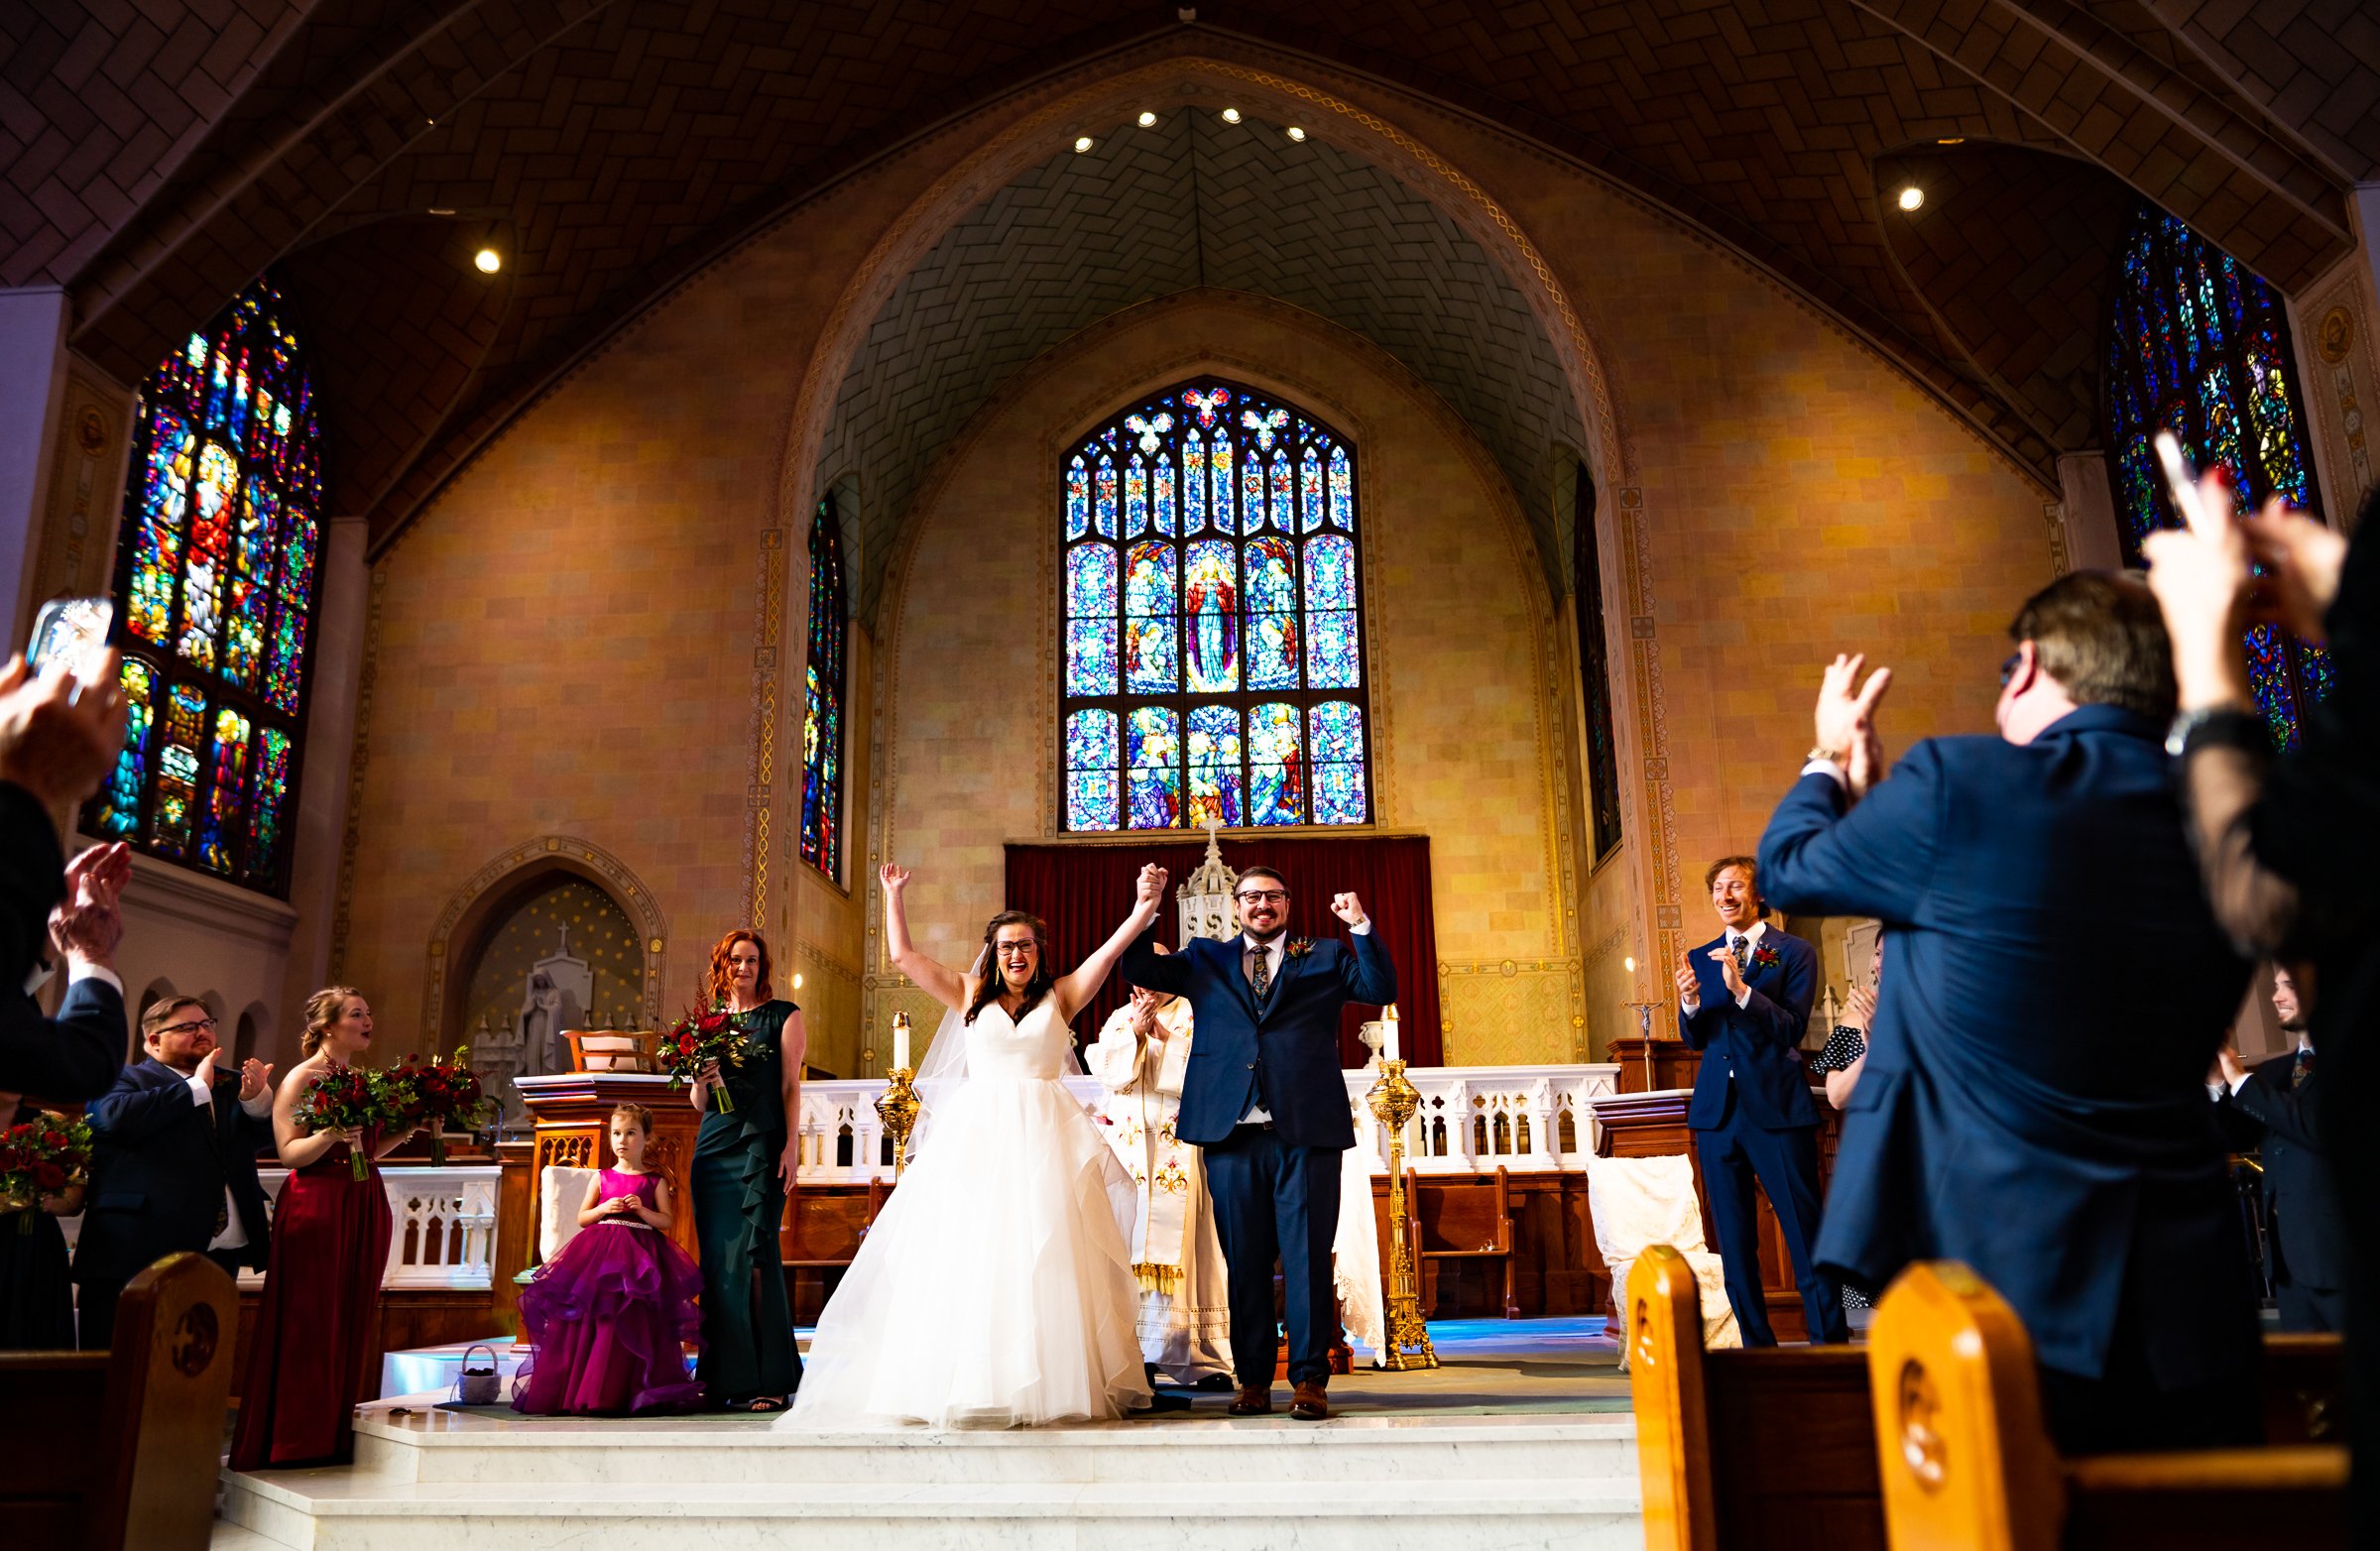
<point>2273,1110</point>
<point>173,1161</point>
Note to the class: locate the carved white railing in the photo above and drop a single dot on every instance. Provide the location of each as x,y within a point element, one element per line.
<point>445,1226</point>
<point>1472,1120</point>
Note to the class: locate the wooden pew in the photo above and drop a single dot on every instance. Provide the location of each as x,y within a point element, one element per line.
<point>1769,1447</point>
<point>1967,1461</point>
<point>107,1450</point>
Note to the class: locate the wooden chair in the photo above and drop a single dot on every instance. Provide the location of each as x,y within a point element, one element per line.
<point>1461,1222</point>
<point>108,1450</point>
<point>1967,1461</point>
<point>1745,1446</point>
<point>612,1049</point>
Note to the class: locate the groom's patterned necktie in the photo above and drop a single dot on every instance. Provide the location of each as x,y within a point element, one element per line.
<point>1259,972</point>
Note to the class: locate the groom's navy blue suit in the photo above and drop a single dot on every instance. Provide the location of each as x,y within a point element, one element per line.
<point>1275,1185</point>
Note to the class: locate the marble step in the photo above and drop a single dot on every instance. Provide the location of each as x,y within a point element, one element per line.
<point>349,1510</point>
<point>433,1448</point>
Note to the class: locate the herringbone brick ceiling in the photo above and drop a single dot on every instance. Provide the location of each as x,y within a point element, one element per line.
<point>1191,201</point>
<point>155,155</point>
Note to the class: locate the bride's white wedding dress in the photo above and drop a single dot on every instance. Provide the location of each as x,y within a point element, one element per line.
<point>996,1288</point>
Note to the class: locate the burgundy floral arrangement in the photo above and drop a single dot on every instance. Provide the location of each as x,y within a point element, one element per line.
<point>40,1157</point>
<point>694,1041</point>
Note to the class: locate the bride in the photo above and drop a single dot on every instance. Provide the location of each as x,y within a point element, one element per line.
<point>996,1288</point>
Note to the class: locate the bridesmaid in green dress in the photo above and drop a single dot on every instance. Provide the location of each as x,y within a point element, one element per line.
<point>742,1170</point>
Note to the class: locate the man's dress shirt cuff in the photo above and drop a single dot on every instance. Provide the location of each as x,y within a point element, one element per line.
<point>1829,769</point>
<point>81,971</point>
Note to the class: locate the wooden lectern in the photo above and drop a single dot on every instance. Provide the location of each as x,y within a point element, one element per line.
<point>572,1111</point>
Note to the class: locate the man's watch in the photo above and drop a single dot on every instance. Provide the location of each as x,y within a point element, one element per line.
<point>2217,726</point>
<point>1827,755</point>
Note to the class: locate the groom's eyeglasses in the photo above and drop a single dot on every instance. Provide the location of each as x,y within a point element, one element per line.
<point>1264,896</point>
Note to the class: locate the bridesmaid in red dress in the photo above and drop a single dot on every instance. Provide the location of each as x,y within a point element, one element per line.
<point>313,1349</point>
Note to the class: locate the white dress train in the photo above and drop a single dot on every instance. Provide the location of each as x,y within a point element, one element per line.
<point>997,1289</point>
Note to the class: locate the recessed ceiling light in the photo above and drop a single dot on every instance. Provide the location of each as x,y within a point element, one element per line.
<point>1149,120</point>
<point>1230,115</point>
<point>1951,140</point>
<point>1912,197</point>
<point>1083,143</point>
<point>435,210</point>
<point>1296,132</point>
<point>488,261</point>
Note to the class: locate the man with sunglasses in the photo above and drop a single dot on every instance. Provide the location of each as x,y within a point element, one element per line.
<point>172,1162</point>
<point>1262,1096</point>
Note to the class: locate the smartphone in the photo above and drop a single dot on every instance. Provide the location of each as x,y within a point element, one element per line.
<point>2181,482</point>
<point>73,632</point>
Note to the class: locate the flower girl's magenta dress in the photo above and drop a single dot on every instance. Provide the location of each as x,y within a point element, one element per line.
<point>607,1315</point>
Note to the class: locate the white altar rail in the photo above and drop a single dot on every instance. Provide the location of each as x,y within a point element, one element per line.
<point>1471,1120</point>
<point>445,1226</point>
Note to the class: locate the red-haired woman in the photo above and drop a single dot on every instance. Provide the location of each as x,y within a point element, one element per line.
<point>744,1161</point>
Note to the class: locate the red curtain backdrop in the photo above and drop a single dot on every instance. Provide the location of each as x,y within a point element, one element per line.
<point>1084,890</point>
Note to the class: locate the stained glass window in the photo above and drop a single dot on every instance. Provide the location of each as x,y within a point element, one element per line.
<point>1211,598</point>
<point>822,706</point>
<point>1595,669</point>
<point>216,588</point>
<point>2199,346</point>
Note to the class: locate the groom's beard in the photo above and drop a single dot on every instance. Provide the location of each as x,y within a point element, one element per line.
<point>1263,939</point>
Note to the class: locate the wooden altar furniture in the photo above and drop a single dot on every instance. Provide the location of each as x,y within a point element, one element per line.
<point>823,1233</point>
<point>120,1449</point>
<point>1769,1446</point>
<point>612,1049</point>
<point>1652,1124</point>
<point>572,1113</point>
<point>1466,1219</point>
<point>1965,1460</point>
<point>1651,1065</point>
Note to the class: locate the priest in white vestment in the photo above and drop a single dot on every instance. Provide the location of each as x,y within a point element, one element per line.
<point>1185,1323</point>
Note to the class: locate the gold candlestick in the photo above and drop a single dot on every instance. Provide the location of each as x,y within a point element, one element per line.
<point>1394,1099</point>
<point>897,1107</point>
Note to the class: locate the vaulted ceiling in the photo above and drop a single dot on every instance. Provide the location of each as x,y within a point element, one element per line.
<point>155,155</point>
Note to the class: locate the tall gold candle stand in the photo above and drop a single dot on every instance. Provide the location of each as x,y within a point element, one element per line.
<point>1394,1099</point>
<point>897,1106</point>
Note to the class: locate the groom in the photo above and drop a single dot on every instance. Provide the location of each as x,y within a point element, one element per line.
<point>1263,1097</point>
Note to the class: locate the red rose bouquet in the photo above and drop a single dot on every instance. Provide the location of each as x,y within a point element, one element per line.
<point>344,1099</point>
<point>697,1039</point>
<point>40,1157</point>
<point>438,1094</point>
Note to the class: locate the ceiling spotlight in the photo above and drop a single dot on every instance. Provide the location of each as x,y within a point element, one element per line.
<point>1629,964</point>
<point>1083,143</point>
<point>1149,121</point>
<point>1296,132</point>
<point>488,261</point>
<point>1951,140</point>
<point>1912,197</point>
<point>797,980</point>
<point>1230,115</point>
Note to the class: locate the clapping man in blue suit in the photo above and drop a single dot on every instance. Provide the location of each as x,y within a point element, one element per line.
<point>2032,1101</point>
<point>1262,1096</point>
<point>1743,1000</point>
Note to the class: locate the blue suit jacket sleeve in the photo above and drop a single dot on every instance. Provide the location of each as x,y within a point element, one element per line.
<point>1368,972</point>
<point>137,1109</point>
<point>1822,857</point>
<point>2277,1106</point>
<point>70,1058</point>
<point>1145,967</point>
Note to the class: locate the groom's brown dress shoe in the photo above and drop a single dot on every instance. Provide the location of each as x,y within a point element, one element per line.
<point>1310,1403</point>
<point>1252,1400</point>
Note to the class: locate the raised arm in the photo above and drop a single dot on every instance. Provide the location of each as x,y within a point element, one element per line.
<point>1079,988</point>
<point>942,983</point>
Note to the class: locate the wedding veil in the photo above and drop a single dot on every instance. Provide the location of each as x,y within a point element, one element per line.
<point>943,1072</point>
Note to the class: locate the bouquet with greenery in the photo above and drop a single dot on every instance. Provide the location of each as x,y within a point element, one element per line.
<point>694,1041</point>
<point>40,1157</point>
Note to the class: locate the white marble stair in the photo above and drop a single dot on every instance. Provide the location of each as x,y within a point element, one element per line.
<point>1383,1484</point>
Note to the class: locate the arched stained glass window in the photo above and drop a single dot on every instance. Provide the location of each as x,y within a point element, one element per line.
<point>822,705</point>
<point>2198,345</point>
<point>1210,600</point>
<point>215,594</point>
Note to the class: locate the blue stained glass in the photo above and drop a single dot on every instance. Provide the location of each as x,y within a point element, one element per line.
<point>1276,766</point>
<point>1151,621</point>
<point>118,811</point>
<point>1309,479</point>
<point>1272,628</point>
<point>1205,403</point>
<point>1162,496</point>
<point>1336,740</point>
<point>1219,460</point>
<point>1214,781</point>
<point>1194,484</point>
<point>2269,678</point>
<point>1211,610</point>
<point>1091,657</point>
<point>1090,580</point>
<point>1078,500</point>
<point>1103,484</point>
<point>1092,789</point>
<point>1264,425</point>
<point>1334,659</point>
<point>1136,498</point>
<point>1154,772</point>
<point>1252,491</point>
<point>1343,490</point>
<point>1284,493</point>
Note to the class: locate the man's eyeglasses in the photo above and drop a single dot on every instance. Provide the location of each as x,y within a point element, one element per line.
<point>1263,897</point>
<point>2008,668</point>
<point>206,1023</point>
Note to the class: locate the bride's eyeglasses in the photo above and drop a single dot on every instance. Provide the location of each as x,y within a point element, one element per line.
<point>1012,950</point>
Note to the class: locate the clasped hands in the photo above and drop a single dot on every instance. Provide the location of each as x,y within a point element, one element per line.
<point>255,1076</point>
<point>2207,587</point>
<point>1690,986</point>
<point>1846,720</point>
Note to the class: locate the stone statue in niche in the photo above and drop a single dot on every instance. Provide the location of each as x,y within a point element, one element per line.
<point>559,994</point>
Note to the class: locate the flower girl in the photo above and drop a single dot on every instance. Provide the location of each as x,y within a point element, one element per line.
<point>607,1317</point>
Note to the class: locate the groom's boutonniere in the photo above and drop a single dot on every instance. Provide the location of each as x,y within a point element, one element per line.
<point>1299,948</point>
<point>1765,957</point>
